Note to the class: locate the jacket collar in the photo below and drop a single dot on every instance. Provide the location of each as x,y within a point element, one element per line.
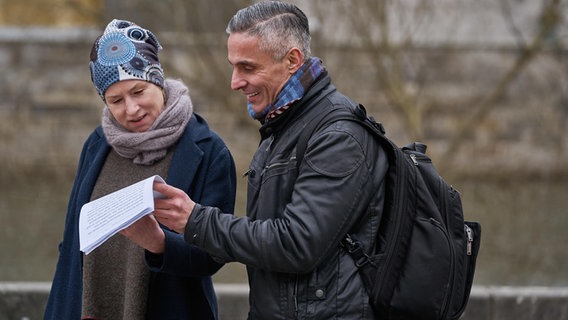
<point>321,88</point>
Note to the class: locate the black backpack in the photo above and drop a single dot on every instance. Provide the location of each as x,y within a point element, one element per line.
<point>426,252</point>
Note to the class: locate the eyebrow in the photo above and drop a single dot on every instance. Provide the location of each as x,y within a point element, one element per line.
<point>111,97</point>
<point>136,86</point>
<point>243,63</point>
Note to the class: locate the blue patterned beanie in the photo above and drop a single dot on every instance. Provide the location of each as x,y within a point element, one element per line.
<point>125,51</point>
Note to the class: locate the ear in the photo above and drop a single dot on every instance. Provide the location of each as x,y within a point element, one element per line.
<point>295,59</point>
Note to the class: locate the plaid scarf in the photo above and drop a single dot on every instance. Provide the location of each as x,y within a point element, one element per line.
<point>293,90</point>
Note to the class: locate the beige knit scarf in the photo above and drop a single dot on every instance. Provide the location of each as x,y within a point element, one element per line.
<point>150,146</point>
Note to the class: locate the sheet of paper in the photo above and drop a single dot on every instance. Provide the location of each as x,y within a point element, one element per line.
<point>102,218</point>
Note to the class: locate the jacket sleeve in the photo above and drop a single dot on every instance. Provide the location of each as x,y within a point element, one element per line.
<point>334,187</point>
<point>215,185</point>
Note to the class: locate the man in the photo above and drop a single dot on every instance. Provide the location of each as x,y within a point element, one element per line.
<point>296,218</point>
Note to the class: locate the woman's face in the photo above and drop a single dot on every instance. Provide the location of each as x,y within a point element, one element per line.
<point>135,104</point>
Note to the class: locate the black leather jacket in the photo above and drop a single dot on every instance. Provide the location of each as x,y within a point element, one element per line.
<point>296,218</point>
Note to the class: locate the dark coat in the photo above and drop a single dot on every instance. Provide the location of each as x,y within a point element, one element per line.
<point>297,217</point>
<point>180,281</point>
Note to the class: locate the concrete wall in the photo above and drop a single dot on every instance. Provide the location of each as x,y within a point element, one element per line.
<point>25,301</point>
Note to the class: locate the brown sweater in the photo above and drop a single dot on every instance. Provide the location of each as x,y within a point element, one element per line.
<point>115,277</point>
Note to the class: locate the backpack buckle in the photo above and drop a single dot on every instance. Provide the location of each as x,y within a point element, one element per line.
<point>356,251</point>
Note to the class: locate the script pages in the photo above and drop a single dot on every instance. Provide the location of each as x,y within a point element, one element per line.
<point>102,218</point>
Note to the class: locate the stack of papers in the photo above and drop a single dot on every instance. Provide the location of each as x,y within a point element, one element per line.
<point>104,217</point>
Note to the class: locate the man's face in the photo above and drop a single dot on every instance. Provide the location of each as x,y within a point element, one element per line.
<point>255,73</point>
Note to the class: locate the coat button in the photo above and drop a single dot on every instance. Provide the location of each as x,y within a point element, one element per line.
<point>319,293</point>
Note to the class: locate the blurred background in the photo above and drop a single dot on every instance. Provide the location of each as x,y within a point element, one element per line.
<point>483,83</point>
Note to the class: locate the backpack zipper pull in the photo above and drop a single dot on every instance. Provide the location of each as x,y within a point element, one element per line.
<point>469,234</point>
<point>413,158</point>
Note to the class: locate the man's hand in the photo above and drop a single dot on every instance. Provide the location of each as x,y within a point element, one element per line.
<point>174,209</point>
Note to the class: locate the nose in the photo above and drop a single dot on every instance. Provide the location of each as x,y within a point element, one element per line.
<point>131,106</point>
<point>237,82</point>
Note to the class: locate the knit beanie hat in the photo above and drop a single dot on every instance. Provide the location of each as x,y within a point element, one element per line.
<point>125,51</point>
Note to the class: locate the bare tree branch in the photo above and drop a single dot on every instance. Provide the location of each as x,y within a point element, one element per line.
<point>550,19</point>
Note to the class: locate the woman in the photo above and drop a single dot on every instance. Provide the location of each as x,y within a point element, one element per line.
<point>148,128</point>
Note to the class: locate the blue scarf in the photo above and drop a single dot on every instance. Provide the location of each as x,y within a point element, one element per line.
<point>293,90</point>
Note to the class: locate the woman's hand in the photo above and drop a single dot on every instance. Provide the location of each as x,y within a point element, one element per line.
<point>146,232</point>
<point>174,209</point>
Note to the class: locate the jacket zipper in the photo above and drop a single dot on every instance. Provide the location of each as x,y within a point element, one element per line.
<point>295,294</point>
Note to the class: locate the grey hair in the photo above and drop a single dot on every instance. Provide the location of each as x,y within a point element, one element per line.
<point>280,26</point>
